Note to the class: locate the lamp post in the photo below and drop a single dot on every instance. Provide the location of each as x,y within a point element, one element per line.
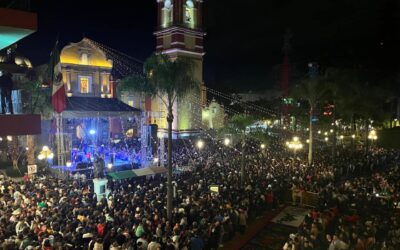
<point>46,154</point>
<point>200,144</point>
<point>295,144</point>
<point>262,146</point>
<point>372,136</point>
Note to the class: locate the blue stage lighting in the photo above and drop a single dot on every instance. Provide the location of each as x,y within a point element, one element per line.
<point>92,131</point>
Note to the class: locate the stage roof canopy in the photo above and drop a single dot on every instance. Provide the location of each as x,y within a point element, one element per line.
<point>78,107</point>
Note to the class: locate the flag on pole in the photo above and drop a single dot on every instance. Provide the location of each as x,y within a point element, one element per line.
<point>58,98</point>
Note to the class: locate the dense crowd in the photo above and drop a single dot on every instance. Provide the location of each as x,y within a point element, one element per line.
<point>356,208</point>
<point>359,212</point>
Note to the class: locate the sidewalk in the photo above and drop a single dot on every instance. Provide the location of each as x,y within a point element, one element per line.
<point>252,230</point>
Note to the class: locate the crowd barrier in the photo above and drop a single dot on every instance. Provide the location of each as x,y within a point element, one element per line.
<point>309,199</point>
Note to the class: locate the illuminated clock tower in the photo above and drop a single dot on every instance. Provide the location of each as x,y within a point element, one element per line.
<point>180,34</point>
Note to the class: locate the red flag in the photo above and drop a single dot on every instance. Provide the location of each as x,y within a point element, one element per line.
<point>58,98</point>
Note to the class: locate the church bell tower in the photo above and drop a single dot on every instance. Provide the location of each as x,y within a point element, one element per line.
<point>179,34</point>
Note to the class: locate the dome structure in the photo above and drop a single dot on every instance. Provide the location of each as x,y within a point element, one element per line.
<point>12,61</point>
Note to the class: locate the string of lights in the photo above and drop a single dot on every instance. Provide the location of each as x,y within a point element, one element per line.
<point>244,104</point>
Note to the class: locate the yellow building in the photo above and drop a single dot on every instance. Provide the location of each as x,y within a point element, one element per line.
<point>86,70</point>
<point>213,115</point>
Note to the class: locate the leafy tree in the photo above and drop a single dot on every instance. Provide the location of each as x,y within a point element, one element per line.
<point>169,80</point>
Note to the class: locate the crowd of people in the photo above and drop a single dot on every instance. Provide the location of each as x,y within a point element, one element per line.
<point>360,211</point>
<point>357,200</point>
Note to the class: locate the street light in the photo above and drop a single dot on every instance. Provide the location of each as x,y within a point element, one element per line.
<point>200,144</point>
<point>46,153</point>
<point>326,139</point>
<point>227,141</point>
<point>109,166</point>
<point>262,146</point>
<point>372,135</point>
<point>294,144</point>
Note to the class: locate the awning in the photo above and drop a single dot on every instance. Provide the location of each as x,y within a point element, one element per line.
<point>137,173</point>
<point>122,175</point>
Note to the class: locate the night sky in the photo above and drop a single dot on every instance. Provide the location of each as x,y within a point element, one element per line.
<point>244,38</point>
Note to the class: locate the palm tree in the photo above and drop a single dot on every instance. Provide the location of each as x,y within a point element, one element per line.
<point>37,102</point>
<point>169,80</point>
<point>311,90</point>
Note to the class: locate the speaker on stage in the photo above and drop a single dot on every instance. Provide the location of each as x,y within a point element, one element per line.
<point>153,138</point>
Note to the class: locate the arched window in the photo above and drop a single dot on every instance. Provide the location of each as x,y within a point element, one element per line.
<point>167,13</point>
<point>189,14</point>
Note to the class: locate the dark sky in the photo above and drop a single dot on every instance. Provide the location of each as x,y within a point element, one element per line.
<point>244,38</point>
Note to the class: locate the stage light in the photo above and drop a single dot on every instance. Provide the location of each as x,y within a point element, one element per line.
<point>109,165</point>
<point>92,131</point>
<point>155,160</point>
<point>69,164</point>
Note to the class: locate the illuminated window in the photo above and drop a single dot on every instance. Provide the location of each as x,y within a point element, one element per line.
<point>188,17</point>
<point>167,13</point>
<point>189,13</point>
<point>84,59</point>
<point>84,84</point>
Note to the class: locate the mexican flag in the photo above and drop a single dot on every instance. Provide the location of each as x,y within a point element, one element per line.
<point>58,98</point>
